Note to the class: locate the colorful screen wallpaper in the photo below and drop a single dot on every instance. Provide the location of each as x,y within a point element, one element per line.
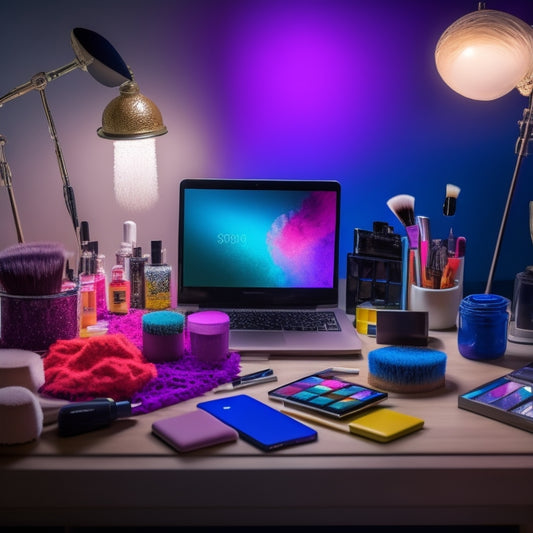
<point>268,239</point>
<point>279,89</point>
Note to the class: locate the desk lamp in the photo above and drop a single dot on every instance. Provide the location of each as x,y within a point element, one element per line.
<point>133,121</point>
<point>97,56</point>
<point>483,56</point>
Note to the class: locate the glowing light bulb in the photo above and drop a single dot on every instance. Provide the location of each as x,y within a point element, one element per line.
<point>135,174</point>
<point>485,54</point>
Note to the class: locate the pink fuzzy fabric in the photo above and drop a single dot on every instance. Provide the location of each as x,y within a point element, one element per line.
<point>106,366</point>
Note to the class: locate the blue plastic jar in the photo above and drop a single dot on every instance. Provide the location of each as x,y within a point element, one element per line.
<point>482,326</point>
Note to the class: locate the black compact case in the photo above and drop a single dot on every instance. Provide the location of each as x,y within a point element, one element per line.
<point>374,269</point>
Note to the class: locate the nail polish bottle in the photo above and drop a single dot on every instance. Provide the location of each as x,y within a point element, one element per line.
<point>119,292</point>
<point>137,265</point>
<point>157,280</point>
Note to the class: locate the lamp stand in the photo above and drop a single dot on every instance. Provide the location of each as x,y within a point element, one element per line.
<point>526,127</point>
<point>68,191</point>
<point>5,179</point>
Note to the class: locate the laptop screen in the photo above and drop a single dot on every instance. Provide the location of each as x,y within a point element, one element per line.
<point>259,242</point>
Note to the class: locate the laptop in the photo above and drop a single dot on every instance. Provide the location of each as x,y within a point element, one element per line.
<point>263,248</point>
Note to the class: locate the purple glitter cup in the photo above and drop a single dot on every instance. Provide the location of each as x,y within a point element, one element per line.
<point>209,334</point>
<point>35,322</point>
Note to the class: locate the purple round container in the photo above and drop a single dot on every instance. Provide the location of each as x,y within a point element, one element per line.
<point>209,334</point>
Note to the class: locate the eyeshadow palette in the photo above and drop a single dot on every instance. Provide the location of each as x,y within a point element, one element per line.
<point>508,399</point>
<point>328,394</point>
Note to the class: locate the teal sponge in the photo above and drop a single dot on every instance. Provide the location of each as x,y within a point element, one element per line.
<point>406,368</point>
<point>163,323</point>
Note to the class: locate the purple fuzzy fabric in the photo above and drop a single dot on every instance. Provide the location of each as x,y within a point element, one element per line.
<point>176,381</point>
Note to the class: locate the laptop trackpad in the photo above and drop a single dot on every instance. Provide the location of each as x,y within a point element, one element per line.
<point>260,339</point>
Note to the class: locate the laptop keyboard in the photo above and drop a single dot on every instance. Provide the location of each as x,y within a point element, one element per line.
<point>283,320</point>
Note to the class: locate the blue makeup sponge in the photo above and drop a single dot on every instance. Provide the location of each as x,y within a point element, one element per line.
<point>406,368</point>
<point>163,323</point>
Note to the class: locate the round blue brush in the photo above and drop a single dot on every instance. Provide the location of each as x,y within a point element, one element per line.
<point>32,269</point>
<point>406,369</point>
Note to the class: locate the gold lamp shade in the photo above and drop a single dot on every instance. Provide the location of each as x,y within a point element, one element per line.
<point>131,115</point>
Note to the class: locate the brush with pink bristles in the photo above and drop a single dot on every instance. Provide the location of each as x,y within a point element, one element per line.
<point>403,206</point>
<point>32,269</point>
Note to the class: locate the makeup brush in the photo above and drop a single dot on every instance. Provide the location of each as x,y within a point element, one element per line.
<point>32,269</point>
<point>403,206</point>
<point>450,202</point>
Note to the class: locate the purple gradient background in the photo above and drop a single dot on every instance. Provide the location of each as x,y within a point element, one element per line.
<point>300,89</point>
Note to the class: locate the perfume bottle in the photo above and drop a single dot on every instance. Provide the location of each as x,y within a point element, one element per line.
<point>124,253</point>
<point>137,264</point>
<point>87,269</point>
<point>157,280</point>
<point>119,292</point>
<point>87,289</point>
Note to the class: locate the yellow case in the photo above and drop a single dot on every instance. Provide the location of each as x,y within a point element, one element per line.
<point>383,424</point>
<point>378,423</point>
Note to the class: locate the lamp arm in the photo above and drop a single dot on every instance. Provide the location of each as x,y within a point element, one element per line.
<point>40,80</point>
<point>526,127</point>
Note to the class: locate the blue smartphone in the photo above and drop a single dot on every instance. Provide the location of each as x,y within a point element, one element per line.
<point>258,423</point>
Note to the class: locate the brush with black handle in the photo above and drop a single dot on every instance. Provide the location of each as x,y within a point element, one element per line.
<point>450,202</point>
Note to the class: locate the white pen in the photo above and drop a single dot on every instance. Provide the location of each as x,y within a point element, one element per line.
<point>342,370</point>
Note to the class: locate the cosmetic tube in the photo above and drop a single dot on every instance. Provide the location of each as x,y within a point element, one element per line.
<point>88,289</point>
<point>80,417</point>
<point>157,280</point>
<point>119,292</point>
<point>137,264</point>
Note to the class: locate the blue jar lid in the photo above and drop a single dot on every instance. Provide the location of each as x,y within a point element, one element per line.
<point>484,302</point>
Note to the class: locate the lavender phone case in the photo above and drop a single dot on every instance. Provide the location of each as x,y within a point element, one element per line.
<point>192,431</point>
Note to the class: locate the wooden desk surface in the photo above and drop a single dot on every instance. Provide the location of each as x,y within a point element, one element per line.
<point>461,468</point>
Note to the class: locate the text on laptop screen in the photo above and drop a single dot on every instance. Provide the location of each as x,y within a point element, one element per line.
<point>259,238</point>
